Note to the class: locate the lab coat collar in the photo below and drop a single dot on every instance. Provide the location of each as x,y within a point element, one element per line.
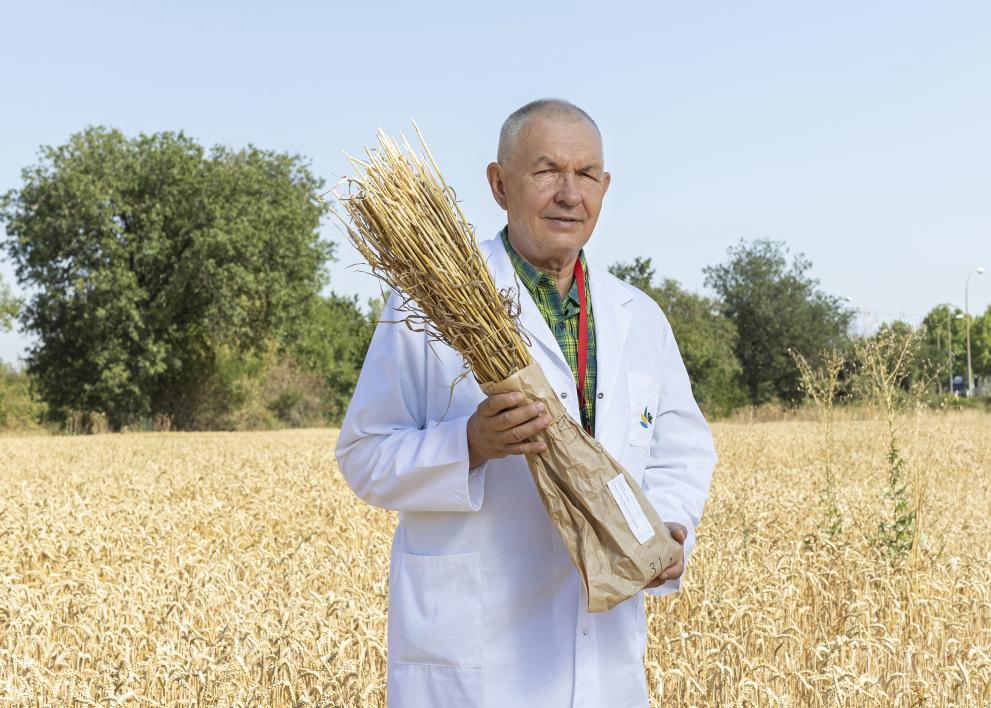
<point>612,322</point>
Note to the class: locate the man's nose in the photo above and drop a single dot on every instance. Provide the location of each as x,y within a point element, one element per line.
<point>568,193</point>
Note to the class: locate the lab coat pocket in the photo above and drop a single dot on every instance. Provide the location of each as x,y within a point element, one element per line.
<point>643,397</point>
<point>436,607</point>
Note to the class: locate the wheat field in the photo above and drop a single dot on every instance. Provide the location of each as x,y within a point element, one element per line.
<point>239,569</point>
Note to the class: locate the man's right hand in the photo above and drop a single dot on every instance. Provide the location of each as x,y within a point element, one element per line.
<point>502,425</point>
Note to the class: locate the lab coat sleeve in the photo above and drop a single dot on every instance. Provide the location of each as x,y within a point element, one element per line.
<point>682,455</point>
<point>390,455</point>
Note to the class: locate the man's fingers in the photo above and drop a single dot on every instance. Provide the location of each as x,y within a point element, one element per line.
<point>678,531</point>
<point>527,448</point>
<point>673,571</point>
<point>509,419</point>
<point>670,573</point>
<point>509,410</point>
<point>525,431</point>
<point>498,402</point>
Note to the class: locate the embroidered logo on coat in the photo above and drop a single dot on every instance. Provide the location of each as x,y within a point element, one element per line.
<point>646,418</point>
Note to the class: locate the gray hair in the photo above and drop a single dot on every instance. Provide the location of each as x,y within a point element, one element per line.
<point>555,107</point>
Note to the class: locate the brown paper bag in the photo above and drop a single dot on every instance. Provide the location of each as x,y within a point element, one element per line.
<point>613,534</point>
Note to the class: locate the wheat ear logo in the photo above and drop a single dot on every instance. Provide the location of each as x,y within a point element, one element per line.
<point>646,418</point>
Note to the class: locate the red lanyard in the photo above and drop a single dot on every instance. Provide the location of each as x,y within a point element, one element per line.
<point>582,337</point>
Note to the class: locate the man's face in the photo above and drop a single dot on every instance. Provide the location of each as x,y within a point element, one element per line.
<point>552,187</point>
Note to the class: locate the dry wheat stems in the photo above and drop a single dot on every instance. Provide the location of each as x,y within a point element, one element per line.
<point>154,569</point>
<point>407,224</point>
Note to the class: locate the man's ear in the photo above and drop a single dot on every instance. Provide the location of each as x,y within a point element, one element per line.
<point>497,183</point>
<point>606,179</point>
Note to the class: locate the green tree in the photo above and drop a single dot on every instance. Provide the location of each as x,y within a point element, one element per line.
<point>10,306</point>
<point>20,409</point>
<point>980,344</point>
<point>705,338</point>
<point>148,255</point>
<point>333,343</point>
<point>775,308</point>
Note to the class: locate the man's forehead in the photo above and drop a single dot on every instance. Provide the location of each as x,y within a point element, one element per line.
<point>585,160</point>
<point>560,142</point>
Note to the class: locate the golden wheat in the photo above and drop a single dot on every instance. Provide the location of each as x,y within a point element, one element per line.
<point>239,569</point>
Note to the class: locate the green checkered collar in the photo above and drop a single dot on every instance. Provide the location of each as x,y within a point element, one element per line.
<point>533,278</point>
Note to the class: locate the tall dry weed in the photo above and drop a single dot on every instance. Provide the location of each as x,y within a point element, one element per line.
<point>885,366</point>
<point>823,385</point>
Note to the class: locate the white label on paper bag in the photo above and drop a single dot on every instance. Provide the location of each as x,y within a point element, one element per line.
<point>635,518</point>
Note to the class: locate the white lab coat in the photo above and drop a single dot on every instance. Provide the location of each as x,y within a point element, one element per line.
<point>485,605</point>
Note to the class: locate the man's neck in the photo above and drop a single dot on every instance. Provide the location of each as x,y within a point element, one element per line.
<point>560,268</point>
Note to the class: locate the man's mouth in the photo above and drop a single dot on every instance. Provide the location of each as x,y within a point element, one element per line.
<point>563,219</point>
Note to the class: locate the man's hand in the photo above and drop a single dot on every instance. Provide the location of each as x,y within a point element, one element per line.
<point>680,533</point>
<point>502,425</point>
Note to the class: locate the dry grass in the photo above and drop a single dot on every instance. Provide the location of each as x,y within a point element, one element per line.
<point>238,569</point>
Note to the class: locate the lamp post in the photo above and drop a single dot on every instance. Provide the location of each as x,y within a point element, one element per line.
<point>970,376</point>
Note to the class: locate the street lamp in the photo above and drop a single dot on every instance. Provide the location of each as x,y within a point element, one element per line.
<point>970,376</point>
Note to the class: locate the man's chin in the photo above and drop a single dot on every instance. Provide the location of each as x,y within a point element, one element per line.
<point>567,239</point>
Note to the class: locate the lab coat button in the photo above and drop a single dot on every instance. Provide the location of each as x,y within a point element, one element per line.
<point>564,394</point>
<point>585,631</point>
<point>601,394</point>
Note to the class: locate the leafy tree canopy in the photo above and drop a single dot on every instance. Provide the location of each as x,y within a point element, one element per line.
<point>146,254</point>
<point>333,343</point>
<point>980,344</point>
<point>705,338</point>
<point>775,307</point>
<point>9,307</point>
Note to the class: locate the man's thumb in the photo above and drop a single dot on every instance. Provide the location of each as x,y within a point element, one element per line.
<point>678,532</point>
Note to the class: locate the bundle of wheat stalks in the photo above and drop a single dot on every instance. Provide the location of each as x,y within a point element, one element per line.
<point>406,222</point>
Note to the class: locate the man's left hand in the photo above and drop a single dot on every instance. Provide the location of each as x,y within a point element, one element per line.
<point>680,533</point>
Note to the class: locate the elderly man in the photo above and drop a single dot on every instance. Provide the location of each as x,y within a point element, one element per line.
<point>485,605</point>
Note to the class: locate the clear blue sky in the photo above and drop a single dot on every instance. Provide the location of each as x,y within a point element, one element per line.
<point>858,133</point>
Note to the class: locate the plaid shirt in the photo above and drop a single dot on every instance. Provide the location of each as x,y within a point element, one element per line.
<point>562,318</point>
